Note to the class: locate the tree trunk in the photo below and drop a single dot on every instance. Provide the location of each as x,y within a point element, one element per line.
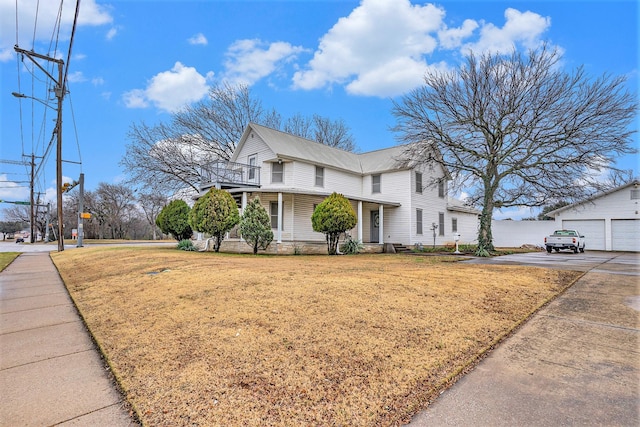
<point>216,247</point>
<point>485,239</point>
<point>255,247</point>
<point>332,242</point>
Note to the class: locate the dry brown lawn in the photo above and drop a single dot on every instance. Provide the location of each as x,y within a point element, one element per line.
<point>225,340</point>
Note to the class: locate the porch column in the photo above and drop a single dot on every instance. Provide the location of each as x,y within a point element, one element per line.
<point>381,219</point>
<point>360,220</point>
<point>244,206</point>
<point>279,218</point>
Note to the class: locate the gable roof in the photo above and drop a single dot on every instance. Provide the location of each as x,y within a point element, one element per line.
<point>291,147</point>
<point>635,183</point>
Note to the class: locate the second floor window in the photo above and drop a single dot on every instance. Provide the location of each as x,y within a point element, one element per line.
<point>277,172</point>
<point>375,183</point>
<point>441,187</point>
<point>319,176</point>
<point>252,167</point>
<point>418,183</point>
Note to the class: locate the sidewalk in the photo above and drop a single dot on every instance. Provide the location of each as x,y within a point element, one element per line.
<point>50,370</point>
<point>576,362</point>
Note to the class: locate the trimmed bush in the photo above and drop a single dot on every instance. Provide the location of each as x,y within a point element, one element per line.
<point>333,216</point>
<point>215,213</point>
<point>255,226</point>
<point>173,219</point>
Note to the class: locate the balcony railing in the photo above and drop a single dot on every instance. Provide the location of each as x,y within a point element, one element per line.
<point>225,174</point>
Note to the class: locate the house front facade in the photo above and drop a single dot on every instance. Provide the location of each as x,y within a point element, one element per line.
<point>394,203</point>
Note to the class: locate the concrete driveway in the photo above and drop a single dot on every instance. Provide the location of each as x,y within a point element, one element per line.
<point>576,362</point>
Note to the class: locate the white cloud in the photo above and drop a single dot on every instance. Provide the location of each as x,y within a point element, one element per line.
<point>250,60</point>
<point>198,39</point>
<point>76,77</point>
<point>379,38</point>
<point>12,191</point>
<point>135,99</point>
<point>91,14</point>
<point>170,90</point>
<point>111,33</point>
<point>451,38</point>
<point>97,81</point>
<point>520,28</point>
<point>6,54</point>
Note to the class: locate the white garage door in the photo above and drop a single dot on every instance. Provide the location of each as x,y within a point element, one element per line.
<point>592,230</point>
<point>625,235</point>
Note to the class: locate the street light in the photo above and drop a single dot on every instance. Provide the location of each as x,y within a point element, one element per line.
<point>23,96</point>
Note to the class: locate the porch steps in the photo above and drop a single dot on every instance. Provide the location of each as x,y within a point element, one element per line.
<point>400,248</point>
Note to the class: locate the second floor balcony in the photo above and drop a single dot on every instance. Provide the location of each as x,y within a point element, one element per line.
<point>225,174</point>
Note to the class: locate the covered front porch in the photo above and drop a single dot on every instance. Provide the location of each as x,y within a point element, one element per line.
<point>291,210</point>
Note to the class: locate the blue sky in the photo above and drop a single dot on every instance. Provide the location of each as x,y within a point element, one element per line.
<point>138,60</point>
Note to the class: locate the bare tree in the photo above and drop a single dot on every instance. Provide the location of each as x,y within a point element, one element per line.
<point>19,214</point>
<point>169,156</point>
<point>115,204</point>
<point>298,125</point>
<point>151,204</point>
<point>517,130</point>
<point>332,133</point>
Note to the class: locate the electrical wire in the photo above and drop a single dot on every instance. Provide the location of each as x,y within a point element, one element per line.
<point>35,26</point>
<point>75,128</point>
<point>73,33</point>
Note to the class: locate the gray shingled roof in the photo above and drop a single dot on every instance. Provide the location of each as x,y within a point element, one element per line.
<point>287,146</point>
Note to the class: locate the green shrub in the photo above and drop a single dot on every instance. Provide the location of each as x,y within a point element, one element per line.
<point>186,245</point>
<point>255,226</point>
<point>214,213</point>
<point>333,216</point>
<point>173,219</point>
<point>351,246</point>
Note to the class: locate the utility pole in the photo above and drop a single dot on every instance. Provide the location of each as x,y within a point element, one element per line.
<point>81,211</point>
<point>32,238</point>
<point>59,92</point>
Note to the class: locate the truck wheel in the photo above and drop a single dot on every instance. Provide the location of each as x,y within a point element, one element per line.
<point>582,249</point>
<point>557,249</point>
<point>549,249</point>
<point>575,249</point>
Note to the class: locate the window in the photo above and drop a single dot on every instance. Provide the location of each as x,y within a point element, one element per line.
<point>441,223</point>
<point>252,167</point>
<point>454,225</point>
<point>375,183</point>
<point>418,182</point>
<point>441,187</point>
<point>319,176</point>
<point>635,194</point>
<point>418,221</point>
<point>273,213</point>
<point>277,172</point>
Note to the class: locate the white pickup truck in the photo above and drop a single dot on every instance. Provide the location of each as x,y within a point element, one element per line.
<point>565,239</point>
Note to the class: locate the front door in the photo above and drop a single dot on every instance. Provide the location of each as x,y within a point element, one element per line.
<point>375,226</point>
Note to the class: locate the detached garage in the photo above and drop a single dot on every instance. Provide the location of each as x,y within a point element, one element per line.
<point>609,221</point>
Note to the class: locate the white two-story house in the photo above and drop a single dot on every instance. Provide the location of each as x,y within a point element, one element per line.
<point>394,203</point>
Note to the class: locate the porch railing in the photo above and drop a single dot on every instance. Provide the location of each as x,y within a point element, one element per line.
<point>225,174</point>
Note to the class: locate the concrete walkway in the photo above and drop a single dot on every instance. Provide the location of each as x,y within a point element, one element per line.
<point>576,362</point>
<point>50,370</point>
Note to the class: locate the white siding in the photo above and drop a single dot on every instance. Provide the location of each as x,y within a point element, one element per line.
<point>614,206</point>
<point>431,205</point>
<point>347,184</point>
<point>467,226</point>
